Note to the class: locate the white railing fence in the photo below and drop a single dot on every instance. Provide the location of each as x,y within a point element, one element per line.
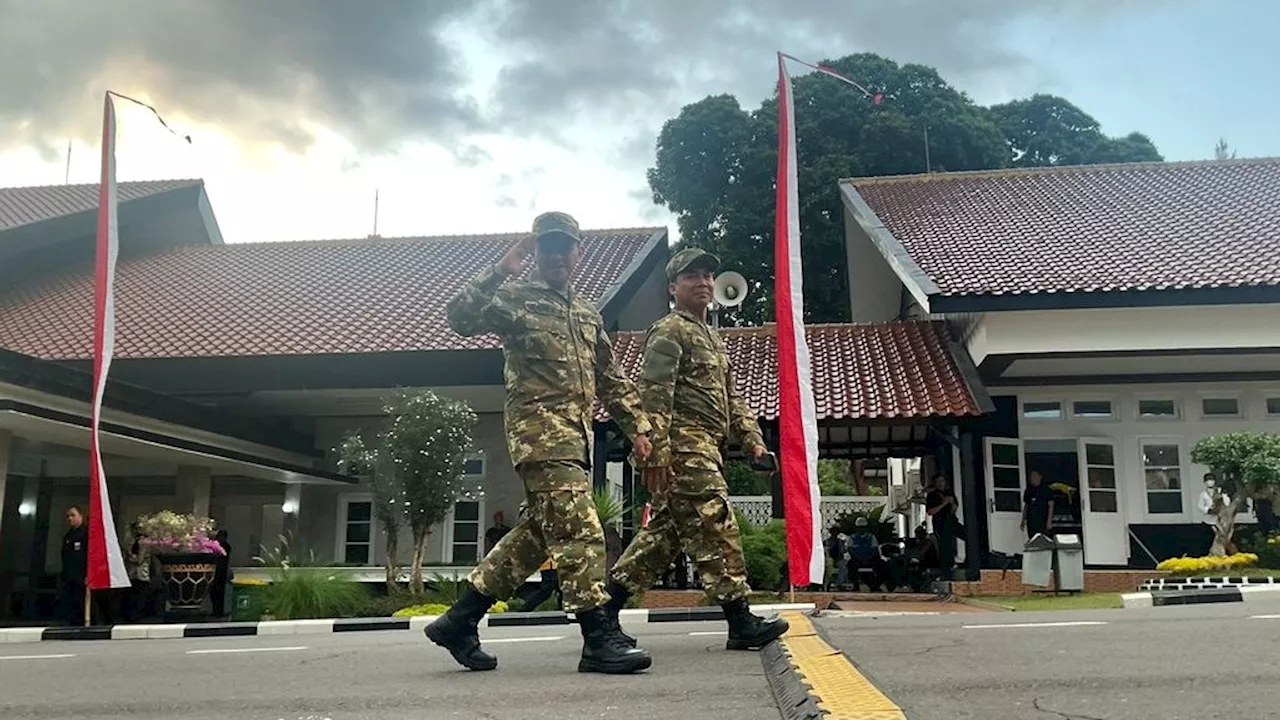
<point>758,509</point>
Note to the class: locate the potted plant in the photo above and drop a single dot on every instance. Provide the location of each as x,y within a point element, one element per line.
<point>187,554</point>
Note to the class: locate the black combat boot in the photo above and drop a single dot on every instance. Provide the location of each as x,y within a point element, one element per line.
<point>457,631</point>
<point>618,597</point>
<point>604,650</point>
<point>750,632</point>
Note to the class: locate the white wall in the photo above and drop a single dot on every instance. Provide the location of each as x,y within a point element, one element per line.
<point>875,292</point>
<point>1125,329</point>
<point>1130,431</point>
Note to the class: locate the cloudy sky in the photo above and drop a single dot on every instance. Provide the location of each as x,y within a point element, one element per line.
<point>474,115</point>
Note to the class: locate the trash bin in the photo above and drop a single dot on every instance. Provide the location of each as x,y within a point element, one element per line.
<point>1037,561</point>
<point>1070,563</point>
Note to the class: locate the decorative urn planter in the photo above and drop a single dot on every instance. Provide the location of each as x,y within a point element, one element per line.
<point>187,579</point>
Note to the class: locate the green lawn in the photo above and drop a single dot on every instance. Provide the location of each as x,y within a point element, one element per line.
<point>1083,601</point>
<point>1237,572</point>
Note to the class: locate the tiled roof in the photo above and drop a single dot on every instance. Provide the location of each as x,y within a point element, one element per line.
<point>1147,226</point>
<point>25,205</point>
<point>351,296</point>
<point>894,370</point>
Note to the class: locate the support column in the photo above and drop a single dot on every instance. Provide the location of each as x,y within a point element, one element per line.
<point>195,483</point>
<point>6,445</point>
<point>972,502</point>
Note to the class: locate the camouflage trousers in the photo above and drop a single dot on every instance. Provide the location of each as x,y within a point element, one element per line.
<point>699,521</point>
<point>559,522</point>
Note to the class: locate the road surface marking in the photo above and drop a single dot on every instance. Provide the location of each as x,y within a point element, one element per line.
<point>1264,617</point>
<point>833,682</point>
<point>547,638</point>
<point>706,633</point>
<point>220,651</point>
<point>1078,623</point>
<point>35,657</point>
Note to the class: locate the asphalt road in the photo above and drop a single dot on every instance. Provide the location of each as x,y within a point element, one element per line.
<point>384,675</point>
<point>1209,661</point>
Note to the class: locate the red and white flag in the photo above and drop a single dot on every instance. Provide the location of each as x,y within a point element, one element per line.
<point>797,419</point>
<point>106,562</point>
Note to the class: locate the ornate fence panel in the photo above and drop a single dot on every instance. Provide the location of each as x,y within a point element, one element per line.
<point>758,509</point>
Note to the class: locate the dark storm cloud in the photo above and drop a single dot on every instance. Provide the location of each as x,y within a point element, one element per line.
<point>374,72</point>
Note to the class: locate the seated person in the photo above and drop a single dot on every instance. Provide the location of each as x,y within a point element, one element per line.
<point>864,553</point>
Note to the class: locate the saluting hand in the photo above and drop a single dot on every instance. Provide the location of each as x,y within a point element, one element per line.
<point>512,263</point>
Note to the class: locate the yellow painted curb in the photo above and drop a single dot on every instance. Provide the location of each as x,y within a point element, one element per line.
<point>837,686</point>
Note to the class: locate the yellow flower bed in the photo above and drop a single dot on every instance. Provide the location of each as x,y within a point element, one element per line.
<point>1191,566</point>
<point>439,609</point>
<point>249,582</point>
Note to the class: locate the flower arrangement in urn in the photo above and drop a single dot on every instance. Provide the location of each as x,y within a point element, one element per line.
<point>168,533</point>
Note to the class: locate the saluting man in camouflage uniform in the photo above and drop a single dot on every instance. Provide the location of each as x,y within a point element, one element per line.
<point>557,357</point>
<point>687,388</point>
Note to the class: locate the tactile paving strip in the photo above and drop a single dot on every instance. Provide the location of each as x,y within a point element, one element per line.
<point>837,686</point>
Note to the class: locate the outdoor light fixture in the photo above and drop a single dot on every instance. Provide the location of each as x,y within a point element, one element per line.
<point>27,509</point>
<point>289,507</point>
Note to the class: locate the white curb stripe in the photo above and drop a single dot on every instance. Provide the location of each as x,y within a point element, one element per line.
<point>21,635</point>
<point>229,651</point>
<point>147,632</point>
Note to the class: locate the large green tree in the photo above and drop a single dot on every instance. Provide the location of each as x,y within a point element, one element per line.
<point>716,163</point>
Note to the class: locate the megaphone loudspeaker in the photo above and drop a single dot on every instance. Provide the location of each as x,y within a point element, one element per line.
<point>730,289</point>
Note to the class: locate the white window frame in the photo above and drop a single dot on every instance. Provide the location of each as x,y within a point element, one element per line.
<point>1113,417</point>
<point>340,536</point>
<point>447,543</point>
<point>1063,407</point>
<point>1178,411</point>
<point>1240,410</point>
<point>1183,468</point>
<point>1267,396</point>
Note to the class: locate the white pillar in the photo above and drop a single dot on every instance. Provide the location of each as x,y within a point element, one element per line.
<point>196,483</point>
<point>6,445</point>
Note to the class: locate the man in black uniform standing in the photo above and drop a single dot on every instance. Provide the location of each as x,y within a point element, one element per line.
<point>75,567</point>
<point>1037,506</point>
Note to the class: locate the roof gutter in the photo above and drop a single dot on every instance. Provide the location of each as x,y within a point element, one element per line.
<point>913,278</point>
<point>615,297</point>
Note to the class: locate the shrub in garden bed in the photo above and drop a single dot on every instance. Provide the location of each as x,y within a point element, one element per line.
<point>309,593</point>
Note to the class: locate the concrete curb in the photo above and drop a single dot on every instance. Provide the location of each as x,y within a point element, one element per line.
<point>1211,582</point>
<point>1238,593</point>
<point>332,625</point>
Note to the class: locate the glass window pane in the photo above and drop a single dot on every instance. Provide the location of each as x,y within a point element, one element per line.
<point>1163,479</point>
<point>1157,408</point>
<point>1103,501</point>
<point>1006,477</point>
<point>1273,406</point>
<point>1008,501</point>
<point>465,553</point>
<point>465,511</point>
<point>359,511</point>
<point>356,554</point>
<point>1102,477</point>
<point>465,533</point>
<point>1042,410</point>
<point>1164,503</point>
<point>1220,406</point>
<point>1091,408</point>
<point>1004,454</point>
<point>358,532</point>
<point>1160,455</point>
<point>474,467</point>
<point>1098,454</point>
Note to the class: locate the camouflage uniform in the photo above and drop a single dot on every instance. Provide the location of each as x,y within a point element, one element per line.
<point>687,388</point>
<point>557,356</point>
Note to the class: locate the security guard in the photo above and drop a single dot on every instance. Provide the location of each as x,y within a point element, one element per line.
<point>558,358</point>
<point>687,388</point>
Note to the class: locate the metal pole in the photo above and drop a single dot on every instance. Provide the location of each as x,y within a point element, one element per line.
<point>87,594</point>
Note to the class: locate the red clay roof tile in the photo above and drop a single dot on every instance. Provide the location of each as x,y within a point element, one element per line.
<point>892,370</point>
<point>351,296</point>
<point>1142,226</point>
<point>26,205</point>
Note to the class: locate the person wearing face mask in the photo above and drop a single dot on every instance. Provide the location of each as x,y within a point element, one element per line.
<point>558,360</point>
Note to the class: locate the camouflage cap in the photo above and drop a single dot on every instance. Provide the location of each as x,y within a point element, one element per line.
<point>689,257</point>
<point>556,225</point>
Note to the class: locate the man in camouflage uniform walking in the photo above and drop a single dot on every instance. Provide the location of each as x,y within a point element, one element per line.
<point>687,388</point>
<point>557,356</point>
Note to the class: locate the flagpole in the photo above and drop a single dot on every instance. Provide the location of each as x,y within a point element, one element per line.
<point>87,595</point>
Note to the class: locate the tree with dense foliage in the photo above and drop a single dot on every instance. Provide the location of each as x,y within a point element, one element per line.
<point>715,163</point>
<point>417,465</point>
<point>1247,466</point>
